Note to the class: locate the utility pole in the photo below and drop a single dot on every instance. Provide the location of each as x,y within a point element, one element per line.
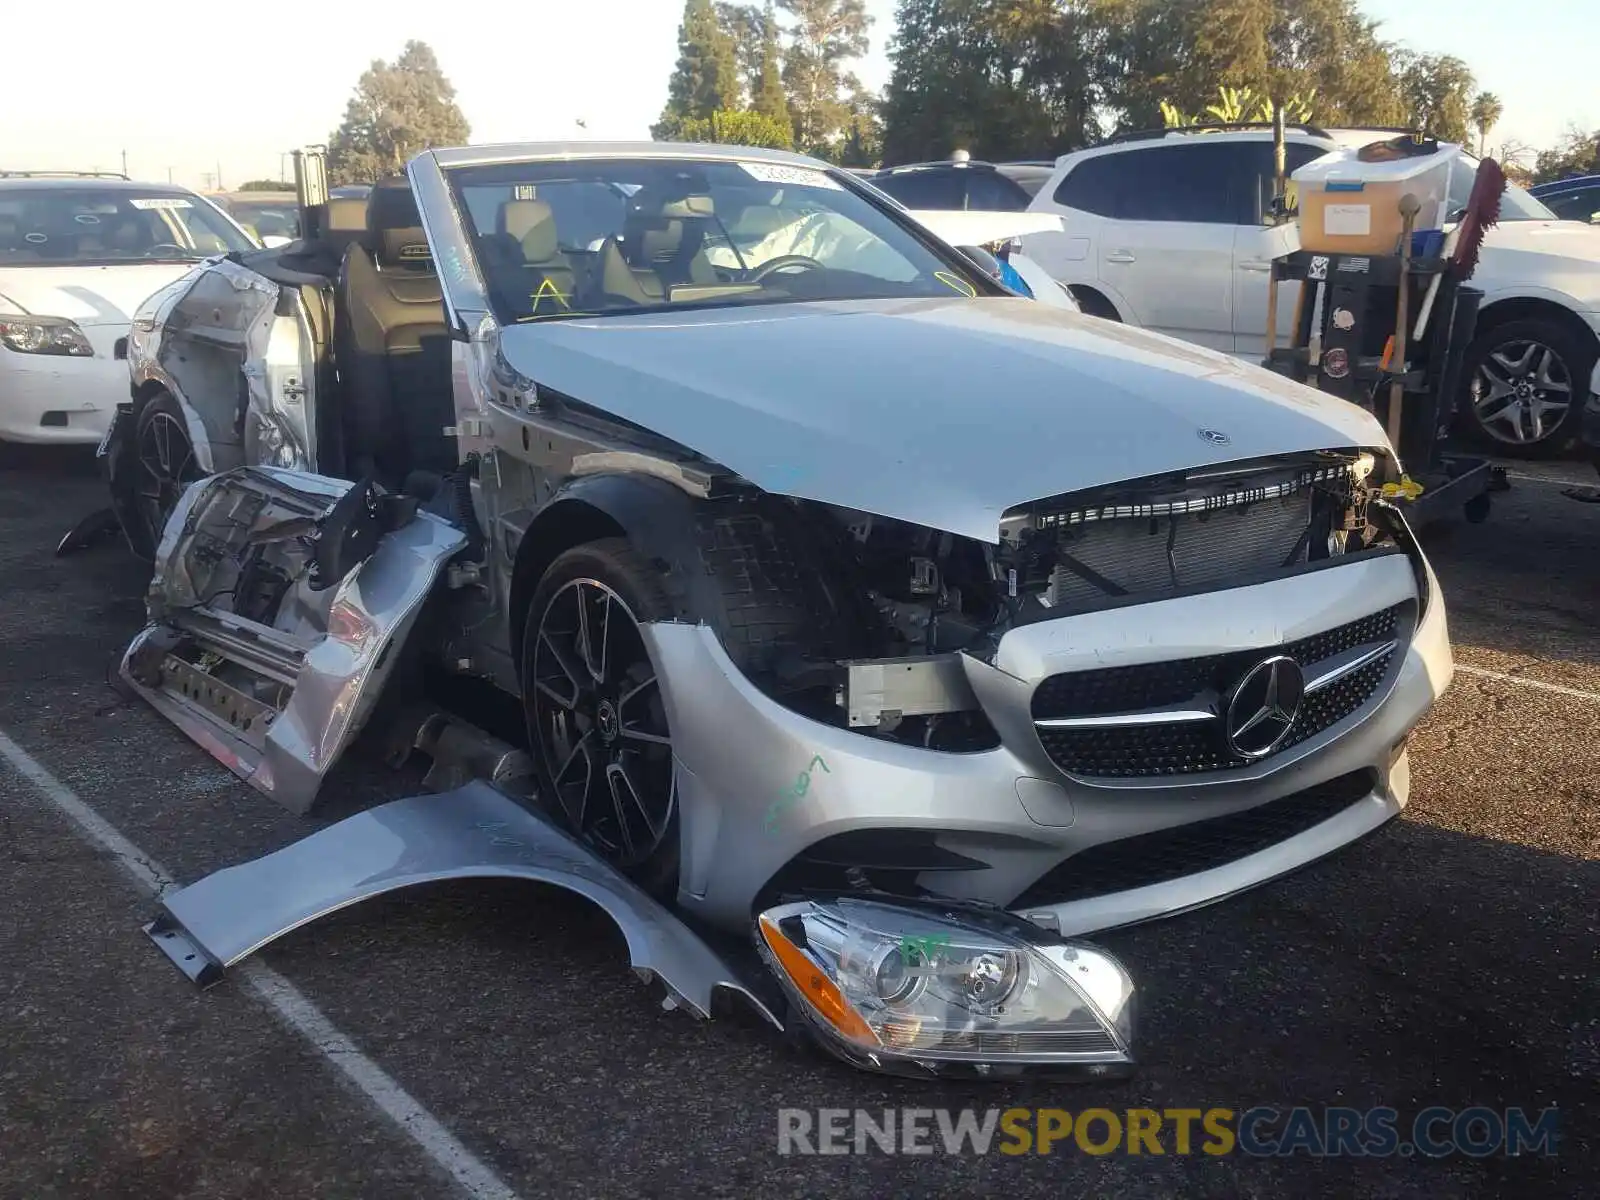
<point>169,174</point>
<point>281,159</point>
<point>124,162</point>
<point>219,175</point>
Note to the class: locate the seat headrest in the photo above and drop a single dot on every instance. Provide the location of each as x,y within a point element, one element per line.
<point>532,224</point>
<point>347,214</point>
<point>655,203</point>
<point>394,227</point>
<point>656,244</point>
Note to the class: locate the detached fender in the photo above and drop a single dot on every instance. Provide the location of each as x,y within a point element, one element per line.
<point>474,832</point>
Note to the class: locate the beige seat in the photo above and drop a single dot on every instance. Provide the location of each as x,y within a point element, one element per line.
<point>528,256</point>
<point>662,246</point>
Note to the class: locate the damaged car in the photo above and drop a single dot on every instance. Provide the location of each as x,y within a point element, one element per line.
<point>835,584</point>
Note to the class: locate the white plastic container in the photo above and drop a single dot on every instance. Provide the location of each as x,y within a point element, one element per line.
<point>1352,207</point>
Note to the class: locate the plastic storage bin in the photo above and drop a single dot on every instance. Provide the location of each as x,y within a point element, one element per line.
<point>1352,207</point>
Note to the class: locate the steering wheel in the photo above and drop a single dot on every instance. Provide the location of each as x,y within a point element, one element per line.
<point>782,262</point>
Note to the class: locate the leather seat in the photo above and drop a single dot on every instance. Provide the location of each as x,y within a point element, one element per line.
<point>662,245</point>
<point>533,270</point>
<point>392,347</point>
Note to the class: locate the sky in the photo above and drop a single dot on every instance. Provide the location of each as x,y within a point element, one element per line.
<point>233,93</point>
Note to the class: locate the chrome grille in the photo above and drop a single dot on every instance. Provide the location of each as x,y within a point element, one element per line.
<point>1165,718</point>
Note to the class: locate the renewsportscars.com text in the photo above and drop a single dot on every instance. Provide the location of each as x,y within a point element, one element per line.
<point>1259,1132</point>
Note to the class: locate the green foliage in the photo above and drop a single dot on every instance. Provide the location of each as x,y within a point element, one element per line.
<point>1578,153</point>
<point>1436,91</point>
<point>399,109</point>
<point>265,185</point>
<point>1485,115</point>
<point>733,127</point>
<point>706,79</point>
<point>1242,105</point>
<point>825,37</point>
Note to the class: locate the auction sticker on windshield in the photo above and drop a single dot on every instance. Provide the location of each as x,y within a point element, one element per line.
<point>149,202</point>
<point>778,173</point>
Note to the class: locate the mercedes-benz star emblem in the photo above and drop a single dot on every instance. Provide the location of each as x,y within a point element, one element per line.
<point>1215,436</point>
<point>1263,707</point>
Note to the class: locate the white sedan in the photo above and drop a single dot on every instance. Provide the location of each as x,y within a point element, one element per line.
<point>78,254</point>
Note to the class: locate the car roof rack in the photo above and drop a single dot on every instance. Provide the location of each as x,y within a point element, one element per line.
<point>1142,135</point>
<point>64,175</point>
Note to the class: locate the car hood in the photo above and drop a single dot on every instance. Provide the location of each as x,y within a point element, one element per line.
<point>941,412</point>
<point>1542,256</point>
<point>89,295</point>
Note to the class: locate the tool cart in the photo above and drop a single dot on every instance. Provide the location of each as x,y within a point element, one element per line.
<point>1384,316</point>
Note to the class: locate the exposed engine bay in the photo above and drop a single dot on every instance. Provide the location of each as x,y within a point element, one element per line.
<point>922,596</point>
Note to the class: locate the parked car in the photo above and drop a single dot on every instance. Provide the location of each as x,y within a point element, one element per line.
<point>1576,199</point>
<point>959,183</point>
<point>272,218</point>
<point>78,253</point>
<point>1169,231</point>
<point>842,567</point>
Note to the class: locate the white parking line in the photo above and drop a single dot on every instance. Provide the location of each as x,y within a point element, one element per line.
<point>1532,683</point>
<point>282,997</point>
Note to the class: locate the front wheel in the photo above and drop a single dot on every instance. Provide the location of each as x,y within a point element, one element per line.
<point>1527,381</point>
<point>163,466</point>
<point>597,725</point>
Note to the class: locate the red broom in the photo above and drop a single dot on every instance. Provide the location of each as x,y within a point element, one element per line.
<point>1466,239</point>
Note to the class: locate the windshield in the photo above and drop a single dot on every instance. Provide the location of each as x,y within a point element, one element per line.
<point>1515,204</point>
<point>590,237</point>
<point>52,227</point>
<point>267,218</point>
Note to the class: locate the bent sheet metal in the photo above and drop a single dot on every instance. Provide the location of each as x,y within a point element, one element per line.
<point>474,832</point>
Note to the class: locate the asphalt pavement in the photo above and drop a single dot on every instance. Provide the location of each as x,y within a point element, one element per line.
<point>492,1041</point>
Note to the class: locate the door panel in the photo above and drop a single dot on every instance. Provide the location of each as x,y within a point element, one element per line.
<point>1256,244</point>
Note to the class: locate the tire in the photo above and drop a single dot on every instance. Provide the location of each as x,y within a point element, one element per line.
<point>1516,374</point>
<point>1094,304</point>
<point>161,431</point>
<point>577,723</point>
<point>755,592</point>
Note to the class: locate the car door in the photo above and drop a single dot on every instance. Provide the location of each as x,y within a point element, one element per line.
<point>1576,204</point>
<point>1165,242</point>
<point>1257,243</point>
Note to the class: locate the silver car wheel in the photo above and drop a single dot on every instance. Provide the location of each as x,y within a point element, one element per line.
<point>601,726</point>
<point>1521,392</point>
<point>166,466</point>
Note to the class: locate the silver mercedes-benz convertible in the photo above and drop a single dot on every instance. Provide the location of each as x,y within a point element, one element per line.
<point>820,561</point>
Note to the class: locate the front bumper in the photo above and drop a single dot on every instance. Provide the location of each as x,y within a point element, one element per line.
<point>1010,815</point>
<point>77,396</point>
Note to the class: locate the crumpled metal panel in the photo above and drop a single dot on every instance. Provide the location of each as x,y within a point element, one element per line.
<point>338,681</point>
<point>474,832</point>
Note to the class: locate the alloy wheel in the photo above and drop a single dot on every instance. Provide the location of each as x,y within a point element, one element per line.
<point>596,711</point>
<point>166,467</point>
<point>1521,392</point>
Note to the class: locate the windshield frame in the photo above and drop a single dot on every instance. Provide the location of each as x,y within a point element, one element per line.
<point>228,229</point>
<point>949,258</point>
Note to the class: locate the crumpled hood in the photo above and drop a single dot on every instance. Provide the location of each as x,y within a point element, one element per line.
<point>944,413</point>
<point>106,295</point>
<point>1555,258</point>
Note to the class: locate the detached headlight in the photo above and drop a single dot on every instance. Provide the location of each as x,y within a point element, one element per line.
<point>924,989</point>
<point>44,335</point>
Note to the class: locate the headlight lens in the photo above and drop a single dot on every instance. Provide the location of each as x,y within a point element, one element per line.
<point>44,335</point>
<point>939,990</point>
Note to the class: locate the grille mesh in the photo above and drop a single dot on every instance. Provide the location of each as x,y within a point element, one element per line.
<point>1134,751</point>
<point>1170,854</point>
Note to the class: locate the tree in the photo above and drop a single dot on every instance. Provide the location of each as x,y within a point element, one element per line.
<point>1578,153</point>
<point>399,109</point>
<point>862,144</point>
<point>706,79</point>
<point>749,26</point>
<point>266,185</point>
<point>766,92</point>
<point>827,35</point>
<point>1436,91</point>
<point>1485,115</point>
<point>733,127</point>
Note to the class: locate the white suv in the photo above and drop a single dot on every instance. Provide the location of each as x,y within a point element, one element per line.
<point>1168,230</point>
